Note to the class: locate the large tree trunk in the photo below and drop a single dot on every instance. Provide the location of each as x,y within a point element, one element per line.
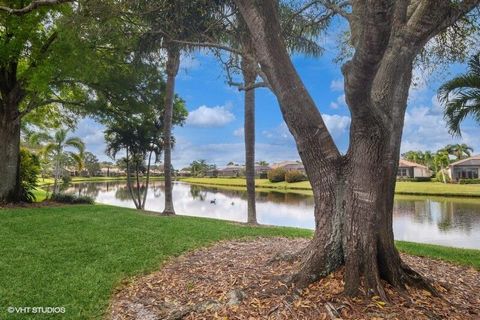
<point>9,154</point>
<point>249,76</point>
<point>173,63</point>
<point>353,193</point>
<point>11,95</point>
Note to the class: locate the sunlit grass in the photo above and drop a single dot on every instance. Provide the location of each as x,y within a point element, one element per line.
<point>412,188</point>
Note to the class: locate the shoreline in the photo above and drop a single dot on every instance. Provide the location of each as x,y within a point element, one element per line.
<point>402,188</point>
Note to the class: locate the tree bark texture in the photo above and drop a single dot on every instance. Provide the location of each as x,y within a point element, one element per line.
<point>11,95</point>
<point>354,192</point>
<point>249,76</point>
<point>173,62</point>
<point>9,156</point>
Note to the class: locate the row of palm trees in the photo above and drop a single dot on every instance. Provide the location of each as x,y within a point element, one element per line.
<point>438,161</point>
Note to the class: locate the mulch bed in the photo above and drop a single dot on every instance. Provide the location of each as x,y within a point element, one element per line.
<point>24,205</point>
<point>240,280</point>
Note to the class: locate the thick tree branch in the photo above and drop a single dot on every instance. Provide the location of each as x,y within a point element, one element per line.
<point>243,87</point>
<point>32,6</point>
<point>32,105</point>
<point>297,106</point>
<point>428,18</point>
<point>209,45</point>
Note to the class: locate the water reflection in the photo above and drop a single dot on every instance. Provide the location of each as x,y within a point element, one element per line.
<point>451,222</point>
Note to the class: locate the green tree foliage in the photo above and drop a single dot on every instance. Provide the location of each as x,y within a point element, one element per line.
<point>460,151</point>
<point>135,126</point>
<point>461,96</point>
<point>200,167</point>
<point>29,172</point>
<point>91,164</point>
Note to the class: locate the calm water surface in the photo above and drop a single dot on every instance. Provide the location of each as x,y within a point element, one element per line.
<point>445,221</point>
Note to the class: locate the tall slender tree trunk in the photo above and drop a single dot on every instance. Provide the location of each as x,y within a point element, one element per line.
<point>147,180</point>
<point>9,153</point>
<point>173,62</point>
<point>129,180</point>
<point>249,76</point>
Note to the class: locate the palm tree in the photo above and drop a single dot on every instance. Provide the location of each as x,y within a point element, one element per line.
<point>462,150</point>
<point>414,156</point>
<point>441,160</point>
<point>56,148</point>
<point>461,96</point>
<point>428,159</point>
<point>300,35</point>
<point>172,22</point>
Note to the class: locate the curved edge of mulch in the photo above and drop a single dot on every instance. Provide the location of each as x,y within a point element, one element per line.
<point>239,280</point>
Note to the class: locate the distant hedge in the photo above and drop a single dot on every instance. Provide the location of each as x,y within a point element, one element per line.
<point>295,176</point>
<point>276,175</point>
<point>469,181</point>
<point>416,179</point>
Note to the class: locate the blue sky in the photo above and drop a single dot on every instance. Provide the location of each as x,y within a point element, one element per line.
<point>214,131</point>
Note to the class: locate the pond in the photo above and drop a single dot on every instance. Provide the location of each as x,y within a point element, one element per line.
<point>446,221</point>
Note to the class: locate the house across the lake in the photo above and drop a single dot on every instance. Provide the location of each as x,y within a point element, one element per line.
<point>408,169</point>
<point>261,171</point>
<point>231,171</point>
<point>289,166</point>
<point>468,168</point>
<point>185,172</point>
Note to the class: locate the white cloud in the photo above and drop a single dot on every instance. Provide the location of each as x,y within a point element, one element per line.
<point>426,129</point>
<point>239,132</point>
<point>336,85</point>
<point>340,102</point>
<point>205,116</point>
<point>336,124</point>
<point>91,132</point>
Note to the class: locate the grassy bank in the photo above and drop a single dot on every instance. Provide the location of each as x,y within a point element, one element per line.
<point>74,256</point>
<point>47,181</point>
<point>407,188</point>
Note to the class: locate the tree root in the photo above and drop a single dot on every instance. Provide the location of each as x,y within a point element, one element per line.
<point>415,279</point>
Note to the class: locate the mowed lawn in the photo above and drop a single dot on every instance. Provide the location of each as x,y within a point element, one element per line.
<point>75,256</point>
<point>414,188</point>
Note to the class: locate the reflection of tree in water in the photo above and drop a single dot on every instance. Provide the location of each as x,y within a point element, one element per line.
<point>201,193</point>
<point>122,193</point>
<point>197,193</point>
<point>450,214</point>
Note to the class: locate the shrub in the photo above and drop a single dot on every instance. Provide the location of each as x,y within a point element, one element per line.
<point>416,179</point>
<point>66,178</point>
<point>276,175</point>
<point>439,177</point>
<point>71,198</point>
<point>469,181</point>
<point>295,176</point>
<point>29,171</point>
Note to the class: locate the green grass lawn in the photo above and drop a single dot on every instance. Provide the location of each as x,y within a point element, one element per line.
<point>47,181</point>
<point>413,188</point>
<point>74,256</point>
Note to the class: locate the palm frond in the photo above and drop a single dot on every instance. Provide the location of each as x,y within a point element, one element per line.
<point>76,143</point>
